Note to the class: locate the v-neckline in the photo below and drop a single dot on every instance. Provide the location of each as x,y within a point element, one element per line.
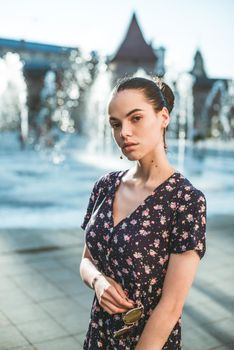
<point>115,187</point>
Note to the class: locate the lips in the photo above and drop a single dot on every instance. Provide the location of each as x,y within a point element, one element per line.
<point>126,145</point>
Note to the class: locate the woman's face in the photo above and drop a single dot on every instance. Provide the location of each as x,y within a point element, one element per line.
<point>133,120</point>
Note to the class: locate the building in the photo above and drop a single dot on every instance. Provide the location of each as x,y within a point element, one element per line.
<point>38,59</point>
<point>135,53</point>
<point>212,110</point>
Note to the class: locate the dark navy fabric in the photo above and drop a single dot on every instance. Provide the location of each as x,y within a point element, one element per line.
<point>135,253</point>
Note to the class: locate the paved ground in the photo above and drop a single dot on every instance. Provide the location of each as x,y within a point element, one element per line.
<point>45,306</point>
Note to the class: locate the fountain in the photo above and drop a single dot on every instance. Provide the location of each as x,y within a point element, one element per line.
<point>184,86</point>
<point>43,127</point>
<point>13,96</point>
<point>97,129</point>
<point>57,118</point>
<point>226,103</point>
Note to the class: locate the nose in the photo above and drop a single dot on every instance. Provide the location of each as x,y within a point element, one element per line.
<point>126,130</point>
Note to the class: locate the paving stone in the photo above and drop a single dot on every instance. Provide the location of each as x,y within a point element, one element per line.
<point>6,284</point>
<point>220,275</point>
<point>39,331</point>
<point>81,337</point>
<point>13,298</point>
<point>219,295</point>
<point>85,299</point>
<point>229,346</point>
<point>26,313</point>
<point>196,296</point>
<point>72,262</point>
<point>44,265</point>
<point>72,287</point>
<point>68,313</point>
<point>15,269</point>
<point>223,330</point>
<point>38,287</point>
<point>10,338</point>
<point>67,252</point>
<point>211,335</point>
<point>60,275</point>
<point>4,321</point>
<point>201,314</point>
<point>68,343</point>
<point>199,339</point>
<point>26,347</point>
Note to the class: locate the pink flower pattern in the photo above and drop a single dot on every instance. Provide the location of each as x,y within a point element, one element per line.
<point>135,253</point>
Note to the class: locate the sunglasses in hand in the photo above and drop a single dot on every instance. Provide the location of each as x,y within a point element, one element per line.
<point>130,318</point>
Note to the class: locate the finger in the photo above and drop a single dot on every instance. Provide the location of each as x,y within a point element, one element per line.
<point>117,299</point>
<point>118,287</point>
<point>105,307</point>
<point>120,290</point>
<point>123,293</point>
<point>111,309</point>
<point>107,298</point>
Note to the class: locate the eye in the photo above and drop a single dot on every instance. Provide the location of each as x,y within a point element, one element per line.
<point>115,125</point>
<point>136,117</point>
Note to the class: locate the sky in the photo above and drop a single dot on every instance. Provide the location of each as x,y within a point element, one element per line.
<point>181,26</point>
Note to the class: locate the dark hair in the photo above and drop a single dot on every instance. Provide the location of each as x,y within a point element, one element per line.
<point>158,94</point>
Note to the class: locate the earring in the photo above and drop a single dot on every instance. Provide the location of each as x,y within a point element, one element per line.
<point>121,157</point>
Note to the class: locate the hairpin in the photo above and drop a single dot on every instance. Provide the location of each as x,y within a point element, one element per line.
<point>159,82</point>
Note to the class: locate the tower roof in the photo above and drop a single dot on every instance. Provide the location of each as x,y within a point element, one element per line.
<point>198,69</point>
<point>134,48</point>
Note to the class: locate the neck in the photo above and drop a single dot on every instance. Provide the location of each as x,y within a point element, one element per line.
<point>152,166</point>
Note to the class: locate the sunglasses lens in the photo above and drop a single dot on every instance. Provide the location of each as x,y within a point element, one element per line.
<point>122,331</point>
<point>132,315</point>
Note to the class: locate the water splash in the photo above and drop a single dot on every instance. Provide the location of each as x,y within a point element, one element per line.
<point>225,105</point>
<point>96,126</point>
<point>59,103</point>
<point>184,87</point>
<point>13,96</point>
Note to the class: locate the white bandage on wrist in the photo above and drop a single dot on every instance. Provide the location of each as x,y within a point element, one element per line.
<point>95,279</point>
<point>103,283</point>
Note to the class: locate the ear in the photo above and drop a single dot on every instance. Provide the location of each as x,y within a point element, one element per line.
<point>165,117</point>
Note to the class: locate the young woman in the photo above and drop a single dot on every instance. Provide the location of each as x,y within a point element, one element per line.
<point>145,230</point>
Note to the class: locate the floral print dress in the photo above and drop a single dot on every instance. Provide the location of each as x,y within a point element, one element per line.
<point>135,252</point>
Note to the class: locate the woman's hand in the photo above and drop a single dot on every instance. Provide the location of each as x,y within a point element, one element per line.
<point>111,296</point>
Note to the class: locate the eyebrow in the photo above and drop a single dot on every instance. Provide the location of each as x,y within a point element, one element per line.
<point>129,113</point>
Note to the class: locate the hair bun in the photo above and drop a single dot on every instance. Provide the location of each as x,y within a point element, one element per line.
<point>168,95</point>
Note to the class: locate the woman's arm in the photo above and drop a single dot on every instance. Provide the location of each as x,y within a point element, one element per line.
<point>88,270</point>
<point>109,293</point>
<point>178,280</point>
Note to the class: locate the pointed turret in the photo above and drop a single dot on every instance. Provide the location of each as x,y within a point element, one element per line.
<point>134,48</point>
<point>198,69</point>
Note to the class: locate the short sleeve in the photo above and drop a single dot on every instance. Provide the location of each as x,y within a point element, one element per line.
<point>100,187</point>
<point>189,231</point>
<point>92,199</point>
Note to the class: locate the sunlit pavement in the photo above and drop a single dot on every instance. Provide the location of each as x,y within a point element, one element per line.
<point>45,306</point>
